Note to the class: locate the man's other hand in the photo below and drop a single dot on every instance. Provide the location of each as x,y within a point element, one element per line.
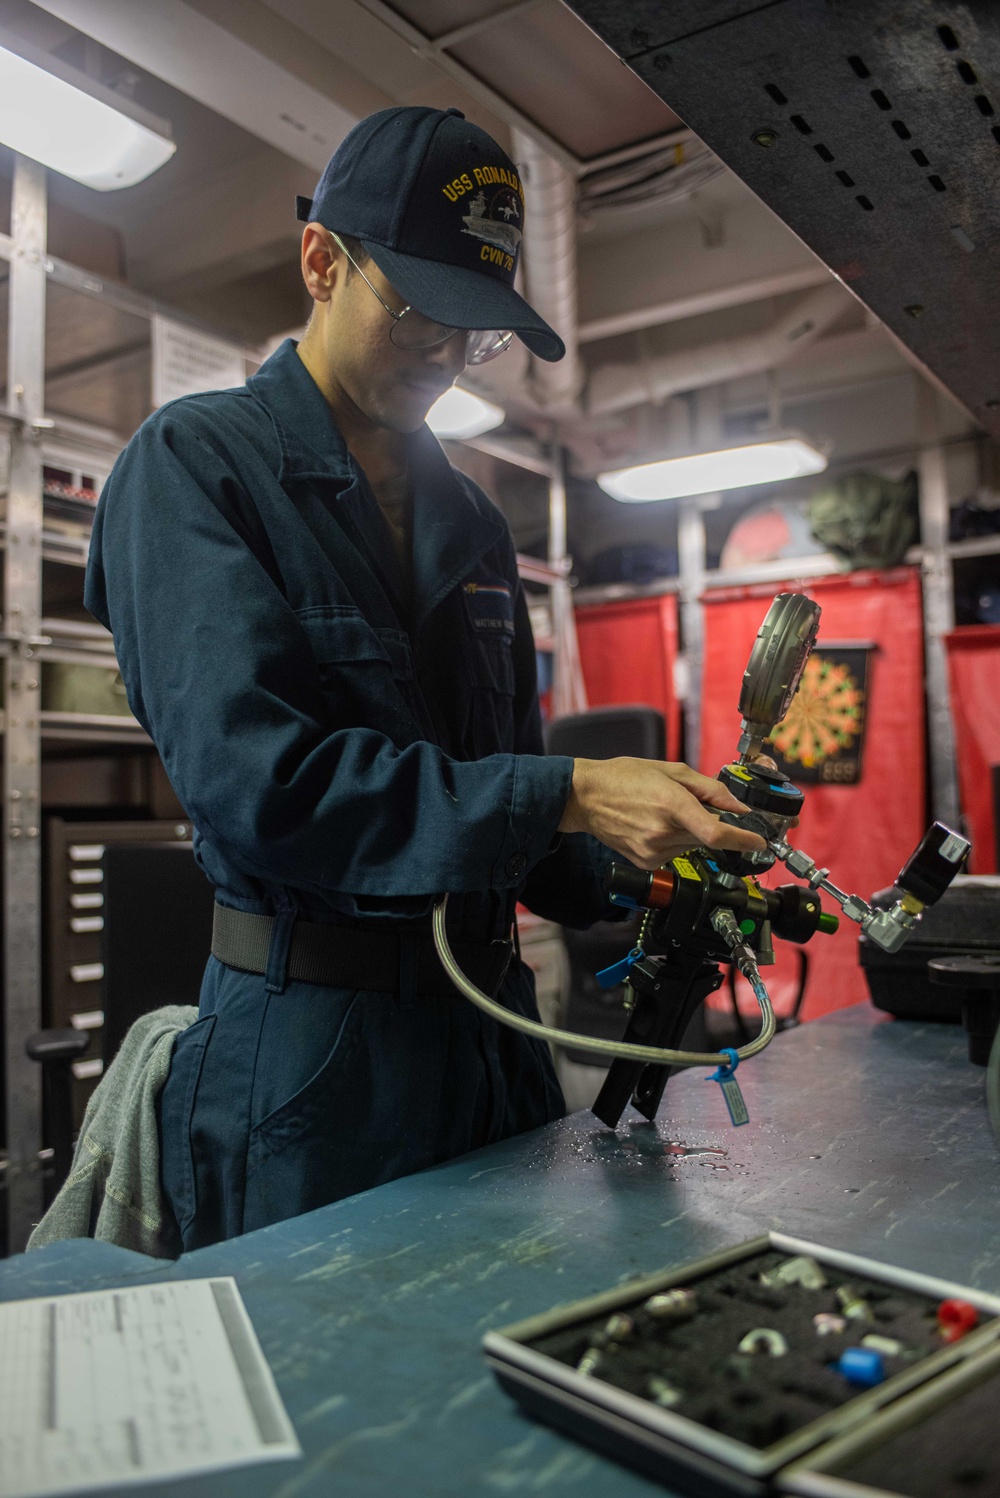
<point>649,811</point>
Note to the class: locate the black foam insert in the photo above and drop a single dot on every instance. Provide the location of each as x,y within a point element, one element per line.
<point>756,1399</point>
<point>953,1453</point>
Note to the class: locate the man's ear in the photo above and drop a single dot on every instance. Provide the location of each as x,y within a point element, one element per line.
<point>323,263</point>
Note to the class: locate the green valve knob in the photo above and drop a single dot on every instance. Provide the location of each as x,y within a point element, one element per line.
<point>748,927</point>
<point>829,922</point>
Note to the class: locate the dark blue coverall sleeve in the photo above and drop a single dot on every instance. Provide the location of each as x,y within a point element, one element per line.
<point>220,670</point>
<point>567,884</point>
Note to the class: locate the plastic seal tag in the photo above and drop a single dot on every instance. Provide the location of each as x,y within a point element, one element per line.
<point>610,977</point>
<point>726,1078</point>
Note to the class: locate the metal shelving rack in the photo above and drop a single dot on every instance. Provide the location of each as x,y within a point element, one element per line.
<point>117,334</point>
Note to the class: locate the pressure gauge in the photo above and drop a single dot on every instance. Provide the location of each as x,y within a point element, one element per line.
<point>775,667</point>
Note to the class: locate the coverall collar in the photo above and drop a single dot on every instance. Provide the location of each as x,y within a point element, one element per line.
<point>450,534</point>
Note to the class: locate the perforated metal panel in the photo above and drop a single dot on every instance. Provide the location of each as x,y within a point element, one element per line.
<point>872,129</point>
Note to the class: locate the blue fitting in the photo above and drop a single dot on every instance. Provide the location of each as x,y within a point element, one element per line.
<point>861,1366</point>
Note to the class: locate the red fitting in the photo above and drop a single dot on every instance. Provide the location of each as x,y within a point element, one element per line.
<point>956,1318</point>
<point>661,889</point>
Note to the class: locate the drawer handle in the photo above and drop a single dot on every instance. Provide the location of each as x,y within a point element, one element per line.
<point>88,1019</point>
<point>84,1070</point>
<point>80,924</point>
<point>87,972</point>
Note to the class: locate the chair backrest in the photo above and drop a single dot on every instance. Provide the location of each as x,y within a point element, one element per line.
<point>606,732</point>
<point>158,909</point>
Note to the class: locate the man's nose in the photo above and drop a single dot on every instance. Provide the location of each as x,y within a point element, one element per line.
<point>450,355</point>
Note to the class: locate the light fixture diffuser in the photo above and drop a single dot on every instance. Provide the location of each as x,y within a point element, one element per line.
<point>74,126</point>
<point>458,414</point>
<point>708,473</point>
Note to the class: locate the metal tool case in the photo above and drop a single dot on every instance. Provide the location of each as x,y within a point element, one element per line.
<point>695,1459</point>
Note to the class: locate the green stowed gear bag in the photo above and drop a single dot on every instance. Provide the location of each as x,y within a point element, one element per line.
<point>867,520</point>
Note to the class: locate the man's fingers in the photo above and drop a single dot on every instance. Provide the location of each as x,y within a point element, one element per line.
<point>737,838</point>
<point>712,833</point>
<point>710,792</point>
<point>715,834</point>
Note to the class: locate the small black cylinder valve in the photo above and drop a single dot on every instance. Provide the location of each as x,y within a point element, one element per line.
<point>933,866</point>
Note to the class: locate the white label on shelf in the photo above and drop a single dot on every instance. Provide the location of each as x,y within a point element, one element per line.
<point>84,1070</point>
<point>86,852</point>
<point>81,924</point>
<point>88,1019</point>
<point>86,972</point>
<point>186,362</point>
<point>87,902</point>
<point>86,876</point>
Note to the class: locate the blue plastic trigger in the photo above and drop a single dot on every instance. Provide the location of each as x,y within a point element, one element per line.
<point>610,977</point>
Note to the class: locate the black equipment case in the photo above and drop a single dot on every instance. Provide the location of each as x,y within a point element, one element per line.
<point>965,920</point>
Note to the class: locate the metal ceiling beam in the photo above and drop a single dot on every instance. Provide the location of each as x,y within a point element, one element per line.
<point>522,452</point>
<point>460,34</point>
<point>717,300</point>
<point>436,50</point>
<point>426,47</point>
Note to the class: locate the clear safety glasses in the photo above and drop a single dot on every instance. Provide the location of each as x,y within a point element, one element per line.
<point>412,330</point>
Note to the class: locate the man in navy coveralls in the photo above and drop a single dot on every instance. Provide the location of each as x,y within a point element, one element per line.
<point>320,624</point>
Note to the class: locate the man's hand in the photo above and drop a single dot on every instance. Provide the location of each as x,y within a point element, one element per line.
<point>649,812</point>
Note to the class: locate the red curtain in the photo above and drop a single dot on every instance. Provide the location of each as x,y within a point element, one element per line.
<point>974,669</point>
<point>862,832</point>
<point>627,651</point>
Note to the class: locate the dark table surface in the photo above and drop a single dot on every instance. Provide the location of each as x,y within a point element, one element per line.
<point>865,1134</point>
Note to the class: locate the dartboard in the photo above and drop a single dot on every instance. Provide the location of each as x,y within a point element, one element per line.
<point>826,717</point>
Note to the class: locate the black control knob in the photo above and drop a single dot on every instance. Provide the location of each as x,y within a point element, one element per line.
<point>763,789</point>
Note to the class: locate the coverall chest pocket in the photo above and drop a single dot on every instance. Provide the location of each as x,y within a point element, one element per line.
<point>366,674</point>
<point>489,613</point>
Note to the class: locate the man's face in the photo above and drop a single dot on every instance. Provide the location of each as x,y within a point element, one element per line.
<point>393,387</point>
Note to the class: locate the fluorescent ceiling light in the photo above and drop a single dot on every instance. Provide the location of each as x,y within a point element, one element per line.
<point>458,414</point>
<point>72,125</point>
<point>708,473</point>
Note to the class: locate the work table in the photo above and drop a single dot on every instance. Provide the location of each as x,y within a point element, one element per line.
<point>865,1134</point>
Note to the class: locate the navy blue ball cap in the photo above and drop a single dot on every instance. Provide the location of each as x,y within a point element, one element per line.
<point>440,209</point>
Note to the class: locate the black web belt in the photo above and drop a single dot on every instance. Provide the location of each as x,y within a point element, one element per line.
<point>343,957</point>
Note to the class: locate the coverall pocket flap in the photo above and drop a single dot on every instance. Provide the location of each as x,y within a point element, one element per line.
<point>337,636</point>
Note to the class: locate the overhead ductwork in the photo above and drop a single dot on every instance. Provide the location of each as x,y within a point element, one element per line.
<point>549,261</point>
<point>615,387</point>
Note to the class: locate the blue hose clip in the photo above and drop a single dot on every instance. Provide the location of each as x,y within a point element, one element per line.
<point>726,1078</point>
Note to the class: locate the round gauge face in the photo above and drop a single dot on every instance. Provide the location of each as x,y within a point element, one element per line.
<point>778,658</point>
